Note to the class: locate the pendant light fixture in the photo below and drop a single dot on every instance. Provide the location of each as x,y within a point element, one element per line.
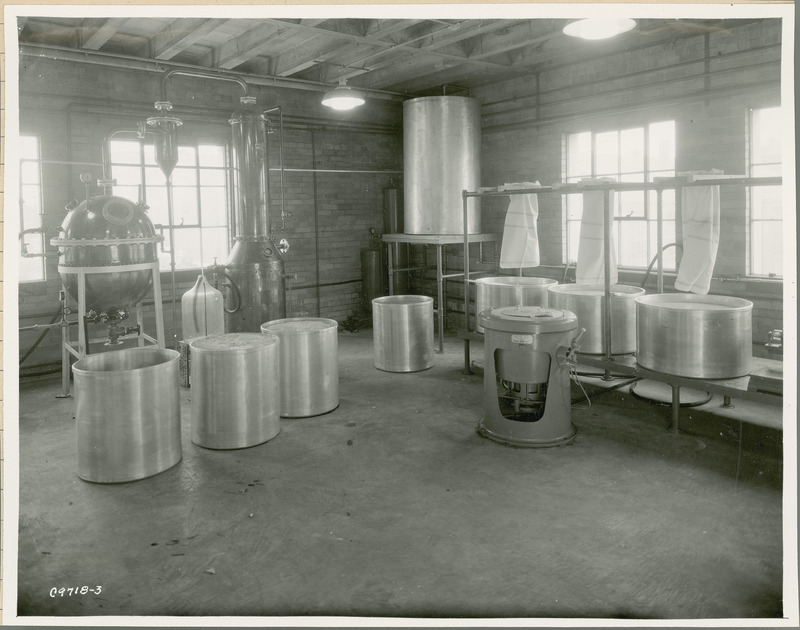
<point>343,97</point>
<point>599,28</point>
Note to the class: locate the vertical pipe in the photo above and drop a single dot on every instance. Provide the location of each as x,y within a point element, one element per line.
<point>316,216</point>
<point>171,220</point>
<point>607,226</point>
<point>660,238</point>
<point>82,336</point>
<point>159,306</point>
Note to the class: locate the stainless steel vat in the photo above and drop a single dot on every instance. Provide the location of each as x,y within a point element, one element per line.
<point>402,329</point>
<point>127,414</point>
<point>309,357</point>
<point>697,336</point>
<point>496,291</point>
<point>586,301</point>
<point>108,231</point>
<point>236,393</point>
<point>441,148</point>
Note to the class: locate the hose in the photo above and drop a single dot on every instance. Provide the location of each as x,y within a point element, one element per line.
<point>653,262</point>
<point>238,296</point>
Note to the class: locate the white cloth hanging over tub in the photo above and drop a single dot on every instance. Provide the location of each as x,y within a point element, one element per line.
<point>520,247</point>
<point>590,266</point>
<point>700,224</point>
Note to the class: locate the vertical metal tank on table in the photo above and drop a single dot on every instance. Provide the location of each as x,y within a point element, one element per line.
<point>255,269</point>
<point>441,148</point>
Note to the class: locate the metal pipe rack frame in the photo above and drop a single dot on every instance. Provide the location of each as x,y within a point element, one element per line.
<point>627,364</point>
<point>439,240</point>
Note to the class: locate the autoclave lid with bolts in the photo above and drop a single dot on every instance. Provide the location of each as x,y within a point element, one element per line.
<point>530,319</point>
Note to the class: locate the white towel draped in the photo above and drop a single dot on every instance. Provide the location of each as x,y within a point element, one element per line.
<point>520,247</point>
<point>700,221</point>
<point>590,266</point>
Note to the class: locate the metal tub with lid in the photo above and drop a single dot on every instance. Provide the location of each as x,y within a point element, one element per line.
<point>236,393</point>
<point>309,348</point>
<point>696,336</point>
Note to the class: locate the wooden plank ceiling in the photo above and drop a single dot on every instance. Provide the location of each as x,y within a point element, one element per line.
<point>412,57</point>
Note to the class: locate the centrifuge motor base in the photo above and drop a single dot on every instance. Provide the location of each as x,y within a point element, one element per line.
<point>526,380</point>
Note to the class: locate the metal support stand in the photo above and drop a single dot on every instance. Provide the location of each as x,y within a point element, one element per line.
<point>676,409</point>
<point>82,349</point>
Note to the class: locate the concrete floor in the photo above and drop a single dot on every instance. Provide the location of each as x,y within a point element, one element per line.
<point>393,506</point>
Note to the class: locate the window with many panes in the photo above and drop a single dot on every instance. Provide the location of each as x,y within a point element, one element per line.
<point>30,209</point>
<point>766,231</point>
<point>199,194</point>
<point>637,154</point>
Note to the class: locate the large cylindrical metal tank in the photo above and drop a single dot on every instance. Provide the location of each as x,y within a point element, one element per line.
<point>441,149</point>
<point>496,291</point>
<point>697,336</point>
<point>309,351</point>
<point>236,392</point>
<point>526,387</point>
<point>108,231</point>
<point>127,414</point>
<point>402,329</point>
<point>587,300</point>
<point>255,269</point>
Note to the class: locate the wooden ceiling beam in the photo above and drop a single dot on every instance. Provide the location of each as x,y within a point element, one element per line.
<point>107,30</point>
<point>181,34</point>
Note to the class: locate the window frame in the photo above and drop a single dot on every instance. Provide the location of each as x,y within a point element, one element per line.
<point>145,165</point>
<point>648,215</point>
<point>41,254</point>
<point>752,165</point>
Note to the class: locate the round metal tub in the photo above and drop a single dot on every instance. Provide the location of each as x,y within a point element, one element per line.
<point>586,301</point>
<point>128,416</point>
<point>441,148</point>
<point>402,329</point>
<point>309,349</point>
<point>236,393</point>
<point>697,336</point>
<point>497,291</point>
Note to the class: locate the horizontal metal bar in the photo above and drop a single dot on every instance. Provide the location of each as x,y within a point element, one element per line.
<point>662,184</point>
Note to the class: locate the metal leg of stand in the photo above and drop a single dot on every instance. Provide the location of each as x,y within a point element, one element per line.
<point>140,323</point>
<point>389,267</point>
<point>467,366</point>
<point>159,307</point>
<point>64,362</point>
<point>82,340</point>
<point>440,294</point>
<point>676,409</point>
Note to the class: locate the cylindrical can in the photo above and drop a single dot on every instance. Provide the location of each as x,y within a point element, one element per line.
<point>309,348</point>
<point>402,328</point>
<point>127,415</point>
<point>587,302</point>
<point>697,336</point>
<point>236,393</point>
<point>441,149</point>
<point>497,291</point>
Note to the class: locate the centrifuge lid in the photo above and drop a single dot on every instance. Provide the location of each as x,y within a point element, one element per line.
<point>532,319</point>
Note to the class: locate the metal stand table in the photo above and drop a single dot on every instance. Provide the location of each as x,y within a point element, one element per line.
<point>439,240</point>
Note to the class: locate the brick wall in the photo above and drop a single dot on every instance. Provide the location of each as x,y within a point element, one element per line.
<point>72,107</point>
